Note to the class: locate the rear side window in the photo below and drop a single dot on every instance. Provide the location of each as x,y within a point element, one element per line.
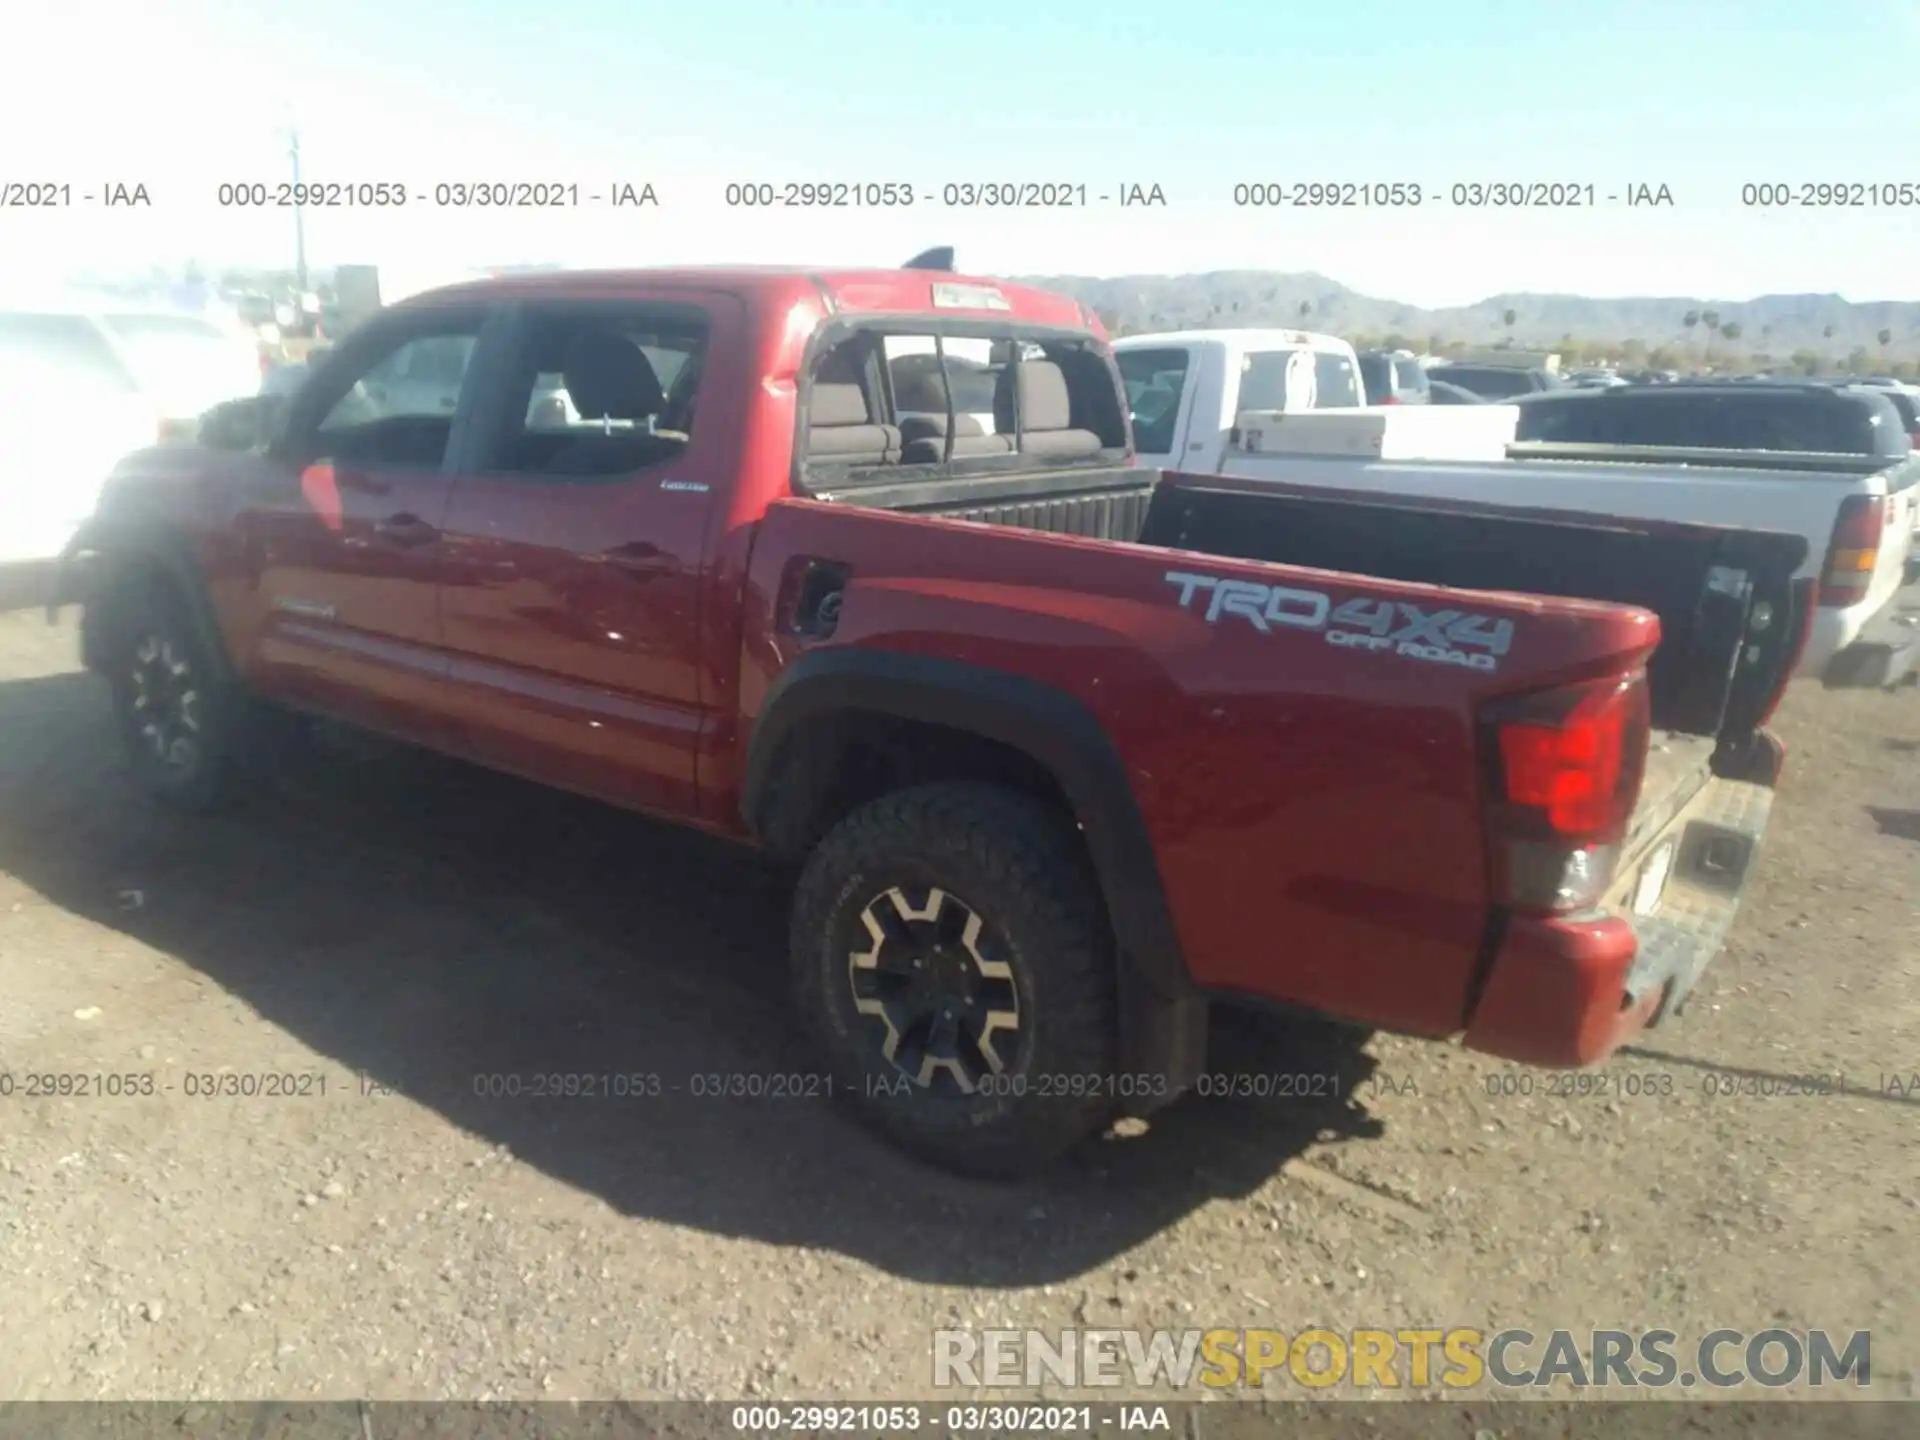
<point>1410,375</point>
<point>1264,379</point>
<point>1270,379</point>
<point>1155,379</point>
<point>601,391</point>
<point>60,348</point>
<point>1336,381</point>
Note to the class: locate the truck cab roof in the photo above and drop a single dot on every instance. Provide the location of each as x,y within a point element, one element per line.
<point>1238,338</point>
<point>864,291</point>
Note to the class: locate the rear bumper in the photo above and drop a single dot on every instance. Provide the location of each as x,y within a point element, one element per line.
<point>1568,992</point>
<point>1884,651</point>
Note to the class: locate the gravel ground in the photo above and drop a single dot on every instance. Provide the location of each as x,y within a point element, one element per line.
<point>395,926</point>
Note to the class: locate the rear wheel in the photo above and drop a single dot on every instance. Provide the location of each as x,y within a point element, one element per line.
<point>952,957</point>
<point>189,731</point>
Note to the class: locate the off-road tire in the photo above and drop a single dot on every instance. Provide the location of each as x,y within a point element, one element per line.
<point>233,736</point>
<point>1024,871</point>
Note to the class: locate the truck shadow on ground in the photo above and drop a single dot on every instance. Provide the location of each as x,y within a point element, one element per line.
<point>428,926</point>
<point>1900,824</point>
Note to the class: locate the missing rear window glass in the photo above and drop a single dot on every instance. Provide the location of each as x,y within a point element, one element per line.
<point>882,398</point>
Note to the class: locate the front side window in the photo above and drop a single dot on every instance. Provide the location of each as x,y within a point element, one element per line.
<point>1155,380</point>
<point>398,409</point>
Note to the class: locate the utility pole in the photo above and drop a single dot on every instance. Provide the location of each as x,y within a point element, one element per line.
<point>299,216</point>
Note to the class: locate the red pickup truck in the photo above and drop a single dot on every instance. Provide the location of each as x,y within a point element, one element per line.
<point>857,567</point>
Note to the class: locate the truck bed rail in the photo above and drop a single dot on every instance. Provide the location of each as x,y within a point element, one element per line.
<point>1105,503</point>
<point>1798,461</point>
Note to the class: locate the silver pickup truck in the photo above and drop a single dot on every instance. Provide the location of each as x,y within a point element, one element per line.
<point>1832,464</point>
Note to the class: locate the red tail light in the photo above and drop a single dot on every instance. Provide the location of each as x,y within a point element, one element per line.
<point>1913,439</point>
<point>1391,400</point>
<point>1854,550</point>
<point>1566,766</point>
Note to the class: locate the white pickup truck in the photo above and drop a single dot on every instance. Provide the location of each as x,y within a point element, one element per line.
<point>1195,395</point>
<point>1857,513</point>
<point>1285,405</point>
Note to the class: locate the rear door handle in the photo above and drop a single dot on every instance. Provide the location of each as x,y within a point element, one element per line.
<point>406,531</point>
<point>638,559</point>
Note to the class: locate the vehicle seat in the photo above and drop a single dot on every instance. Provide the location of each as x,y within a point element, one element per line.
<point>684,397</point>
<point>840,423</point>
<point>924,439</point>
<point>1046,410</point>
<point>608,377</point>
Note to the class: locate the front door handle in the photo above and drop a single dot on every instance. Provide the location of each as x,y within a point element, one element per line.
<point>360,481</point>
<point>638,559</point>
<point>406,531</point>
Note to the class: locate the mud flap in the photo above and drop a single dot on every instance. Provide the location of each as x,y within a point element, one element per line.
<point>1163,1043</point>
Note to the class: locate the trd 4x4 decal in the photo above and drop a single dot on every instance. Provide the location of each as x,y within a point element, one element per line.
<point>1445,637</point>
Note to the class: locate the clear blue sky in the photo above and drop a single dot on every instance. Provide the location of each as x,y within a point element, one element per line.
<point>1700,95</point>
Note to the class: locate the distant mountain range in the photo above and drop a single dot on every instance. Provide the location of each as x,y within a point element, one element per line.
<point>1775,324</point>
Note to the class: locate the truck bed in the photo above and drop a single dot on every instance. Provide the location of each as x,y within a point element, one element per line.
<point>1700,580</point>
<point>1340,783</point>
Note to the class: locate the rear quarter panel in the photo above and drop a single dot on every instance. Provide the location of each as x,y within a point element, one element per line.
<point>1315,810</point>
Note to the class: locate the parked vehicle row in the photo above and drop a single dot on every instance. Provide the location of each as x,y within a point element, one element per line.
<point>1496,382</point>
<point>874,571</point>
<point>1394,377</point>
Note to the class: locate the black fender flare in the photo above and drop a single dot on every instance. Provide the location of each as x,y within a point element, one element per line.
<point>1049,726</point>
<point>104,546</point>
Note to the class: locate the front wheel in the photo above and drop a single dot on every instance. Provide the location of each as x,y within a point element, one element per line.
<point>953,959</point>
<point>188,729</point>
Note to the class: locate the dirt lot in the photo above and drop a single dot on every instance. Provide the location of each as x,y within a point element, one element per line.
<point>397,926</point>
